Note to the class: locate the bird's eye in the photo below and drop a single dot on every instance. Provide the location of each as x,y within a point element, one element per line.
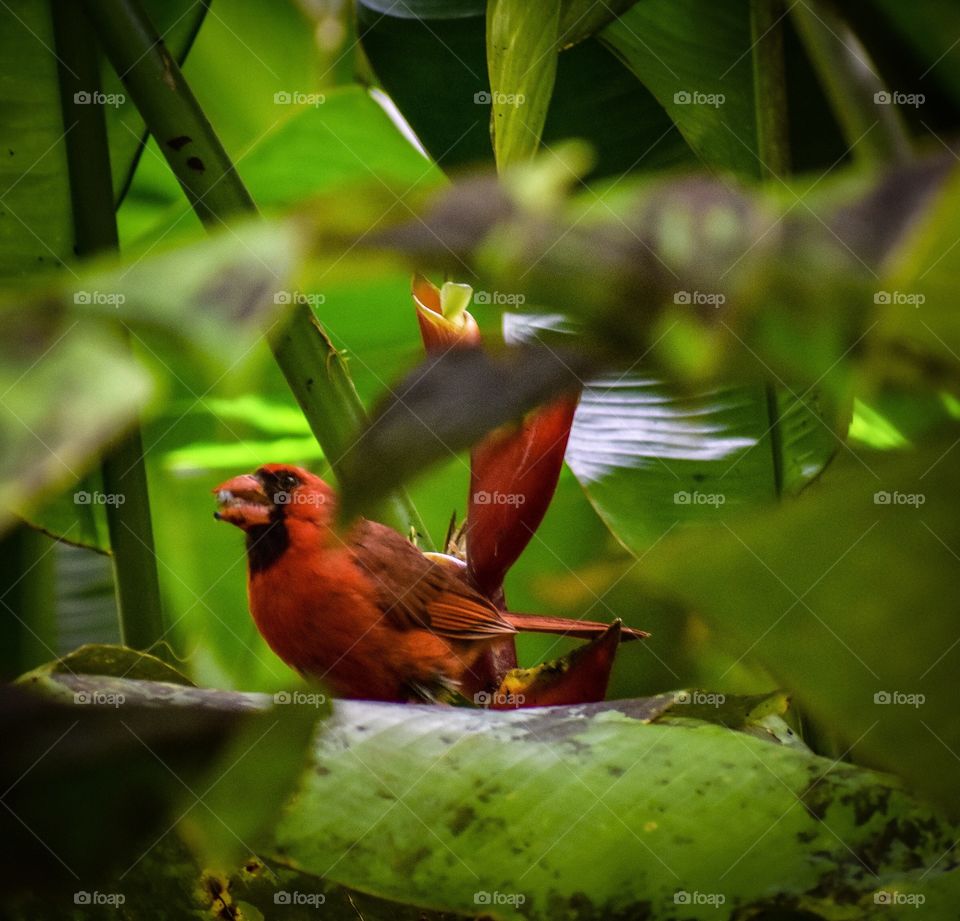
<point>287,481</point>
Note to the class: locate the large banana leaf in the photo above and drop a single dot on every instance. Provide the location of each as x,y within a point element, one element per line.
<point>676,806</point>
<point>651,456</point>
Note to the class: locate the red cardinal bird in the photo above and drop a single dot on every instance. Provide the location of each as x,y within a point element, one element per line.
<point>365,612</point>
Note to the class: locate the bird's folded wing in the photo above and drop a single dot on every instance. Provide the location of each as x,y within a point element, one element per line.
<point>416,593</point>
<point>458,617</point>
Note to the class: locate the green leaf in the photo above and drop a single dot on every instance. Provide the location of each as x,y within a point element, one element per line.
<point>60,410</point>
<point>36,227</point>
<point>111,661</point>
<point>522,65</point>
<point>579,19</point>
<point>846,596</point>
<point>467,812</point>
<point>647,272</point>
<point>651,458</point>
<point>694,56</point>
<point>347,141</point>
<point>228,288</point>
<point>917,295</point>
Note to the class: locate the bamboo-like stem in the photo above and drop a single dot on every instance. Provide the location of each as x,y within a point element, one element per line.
<point>142,623</point>
<point>28,627</point>
<point>314,369</point>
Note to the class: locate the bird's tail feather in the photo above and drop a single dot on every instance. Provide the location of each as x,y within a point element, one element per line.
<point>579,629</point>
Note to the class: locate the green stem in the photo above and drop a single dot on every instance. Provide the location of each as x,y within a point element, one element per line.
<point>773,149</point>
<point>142,624</point>
<point>313,368</point>
<point>873,130</point>
<point>28,625</point>
<point>770,87</point>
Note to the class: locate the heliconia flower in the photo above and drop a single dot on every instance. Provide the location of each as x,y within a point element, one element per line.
<point>515,469</point>
<point>442,313</point>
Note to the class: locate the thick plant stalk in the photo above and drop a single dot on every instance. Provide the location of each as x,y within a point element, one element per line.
<point>314,369</point>
<point>769,87</point>
<point>773,147</point>
<point>870,121</point>
<point>28,623</point>
<point>142,623</point>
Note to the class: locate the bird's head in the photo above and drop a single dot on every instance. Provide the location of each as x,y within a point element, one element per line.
<point>275,493</point>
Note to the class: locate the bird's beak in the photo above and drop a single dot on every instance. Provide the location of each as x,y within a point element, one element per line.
<point>243,502</point>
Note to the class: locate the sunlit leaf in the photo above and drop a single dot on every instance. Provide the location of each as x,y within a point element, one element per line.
<point>216,455</point>
<point>522,51</point>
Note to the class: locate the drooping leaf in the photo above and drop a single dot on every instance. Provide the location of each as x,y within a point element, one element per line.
<point>69,388</point>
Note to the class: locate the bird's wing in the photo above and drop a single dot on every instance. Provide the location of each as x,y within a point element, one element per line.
<point>415,592</point>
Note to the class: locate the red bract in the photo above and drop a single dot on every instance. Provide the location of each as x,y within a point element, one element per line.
<point>579,677</point>
<point>513,475</point>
